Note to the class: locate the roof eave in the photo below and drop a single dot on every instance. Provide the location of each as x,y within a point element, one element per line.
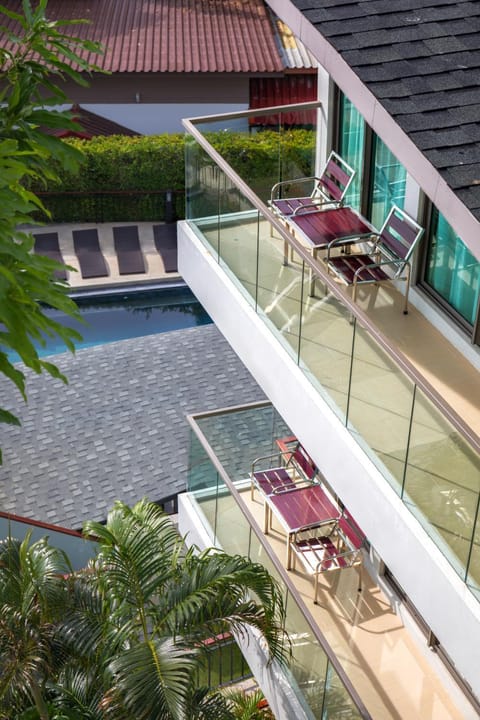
<point>464,223</point>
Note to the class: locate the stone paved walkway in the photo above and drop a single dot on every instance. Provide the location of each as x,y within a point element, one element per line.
<point>119,429</point>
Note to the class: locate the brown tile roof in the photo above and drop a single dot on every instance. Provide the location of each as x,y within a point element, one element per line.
<point>91,126</point>
<point>173,35</point>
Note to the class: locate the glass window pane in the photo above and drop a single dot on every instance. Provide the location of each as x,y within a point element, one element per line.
<point>389,180</point>
<point>352,142</point>
<point>452,271</point>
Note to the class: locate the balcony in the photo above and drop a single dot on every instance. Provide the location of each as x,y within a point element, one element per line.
<point>408,398</point>
<point>352,656</point>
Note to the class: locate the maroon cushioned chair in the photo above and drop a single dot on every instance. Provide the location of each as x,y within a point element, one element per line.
<point>386,258</point>
<point>328,190</point>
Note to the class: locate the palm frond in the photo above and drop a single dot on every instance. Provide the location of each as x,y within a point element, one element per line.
<point>154,680</point>
<point>216,590</point>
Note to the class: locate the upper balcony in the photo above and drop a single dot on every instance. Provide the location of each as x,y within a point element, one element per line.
<point>407,397</point>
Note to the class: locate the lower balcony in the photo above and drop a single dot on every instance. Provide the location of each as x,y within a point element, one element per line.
<point>355,654</point>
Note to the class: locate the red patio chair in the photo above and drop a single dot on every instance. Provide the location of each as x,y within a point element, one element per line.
<point>327,548</point>
<point>386,258</point>
<point>328,190</point>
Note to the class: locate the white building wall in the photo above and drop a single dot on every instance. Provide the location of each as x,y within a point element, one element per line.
<point>438,593</point>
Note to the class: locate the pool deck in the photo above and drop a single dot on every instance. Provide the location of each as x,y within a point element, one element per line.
<point>155,269</point>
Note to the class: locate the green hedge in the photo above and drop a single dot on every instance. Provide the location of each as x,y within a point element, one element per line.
<point>126,178</point>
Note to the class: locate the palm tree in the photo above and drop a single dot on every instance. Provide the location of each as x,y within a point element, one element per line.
<point>141,611</point>
<point>33,598</point>
<point>248,705</point>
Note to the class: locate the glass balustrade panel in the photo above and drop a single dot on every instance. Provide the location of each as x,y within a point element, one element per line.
<point>201,191</point>
<point>326,346</point>
<point>202,483</point>
<point>233,529</point>
<point>258,554</point>
<point>266,149</point>
<point>280,288</point>
<point>79,550</point>
<point>309,661</point>
<point>237,438</point>
<point>442,483</point>
<point>337,703</point>
<point>380,407</point>
<point>238,238</point>
<point>473,567</point>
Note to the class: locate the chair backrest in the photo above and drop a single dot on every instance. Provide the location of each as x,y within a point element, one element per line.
<point>336,178</point>
<point>304,462</point>
<point>351,531</point>
<point>399,235</point>
<point>293,452</point>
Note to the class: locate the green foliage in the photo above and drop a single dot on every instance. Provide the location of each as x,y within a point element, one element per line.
<point>125,178</point>
<point>122,638</point>
<point>38,58</point>
<point>32,599</point>
<point>248,706</point>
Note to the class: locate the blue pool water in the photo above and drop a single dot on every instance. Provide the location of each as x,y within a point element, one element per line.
<point>129,315</point>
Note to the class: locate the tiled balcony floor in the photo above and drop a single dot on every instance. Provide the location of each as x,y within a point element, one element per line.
<point>380,657</point>
<point>425,347</point>
<point>443,478</point>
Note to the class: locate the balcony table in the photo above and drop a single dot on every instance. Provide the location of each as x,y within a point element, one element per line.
<point>301,507</point>
<point>318,229</point>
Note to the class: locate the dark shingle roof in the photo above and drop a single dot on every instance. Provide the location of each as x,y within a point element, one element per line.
<point>421,59</point>
<point>119,429</point>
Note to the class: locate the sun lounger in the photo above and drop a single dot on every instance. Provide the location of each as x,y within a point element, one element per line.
<point>165,238</point>
<point>47,244</point>
<point>90,257</point>
<point>129,252</point>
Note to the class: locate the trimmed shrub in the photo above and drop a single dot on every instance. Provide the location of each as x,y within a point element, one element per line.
<point>127,178</point>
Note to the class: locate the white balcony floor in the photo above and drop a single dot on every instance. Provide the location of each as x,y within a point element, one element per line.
<point>380,657</point>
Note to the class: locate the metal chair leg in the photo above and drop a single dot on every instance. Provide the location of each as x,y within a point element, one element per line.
<point>405,309</point>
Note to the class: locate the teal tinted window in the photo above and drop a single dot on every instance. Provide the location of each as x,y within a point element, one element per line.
<point>389,179</point>
<point>352,141</point>
<point>452,271</point>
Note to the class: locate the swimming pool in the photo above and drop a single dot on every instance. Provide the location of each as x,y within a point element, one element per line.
<point>128,314</point>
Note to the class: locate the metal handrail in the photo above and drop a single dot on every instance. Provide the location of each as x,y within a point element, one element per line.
<point>396,355</point>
